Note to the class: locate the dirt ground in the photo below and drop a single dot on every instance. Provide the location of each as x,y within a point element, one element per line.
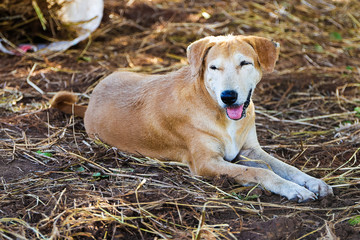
<point>58,183</point>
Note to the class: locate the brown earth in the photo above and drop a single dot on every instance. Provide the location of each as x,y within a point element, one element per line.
<point>56,182</point>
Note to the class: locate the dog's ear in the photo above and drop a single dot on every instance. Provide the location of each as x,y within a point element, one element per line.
<point>196,53</point>
<point>267,51</point>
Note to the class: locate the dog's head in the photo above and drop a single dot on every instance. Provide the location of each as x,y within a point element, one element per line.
<point>231,67</point>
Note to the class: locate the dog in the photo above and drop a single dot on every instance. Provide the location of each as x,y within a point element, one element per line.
<point>201,115</point>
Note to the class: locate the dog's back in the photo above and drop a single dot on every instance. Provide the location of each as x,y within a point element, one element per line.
<point>138,113</point>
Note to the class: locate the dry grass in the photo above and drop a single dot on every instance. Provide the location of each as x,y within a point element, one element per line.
<point>34,21</point>
<point>58,183</point>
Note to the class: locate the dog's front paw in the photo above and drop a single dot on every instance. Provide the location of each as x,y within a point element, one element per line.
<point>319,187</point>
<point>299,194</point>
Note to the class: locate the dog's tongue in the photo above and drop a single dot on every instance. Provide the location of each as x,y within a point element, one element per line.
<point>235,113</point>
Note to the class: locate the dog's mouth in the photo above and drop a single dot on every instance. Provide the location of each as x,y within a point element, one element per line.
<point>237,112</point>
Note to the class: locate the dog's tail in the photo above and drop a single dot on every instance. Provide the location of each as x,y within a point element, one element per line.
<point>65,102</point>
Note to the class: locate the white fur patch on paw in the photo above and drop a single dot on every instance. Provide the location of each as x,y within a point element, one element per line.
<point>319,187</point>
<point>297,193</point>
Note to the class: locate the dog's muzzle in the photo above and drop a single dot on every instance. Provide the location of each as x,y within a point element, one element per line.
<point>236,111</point>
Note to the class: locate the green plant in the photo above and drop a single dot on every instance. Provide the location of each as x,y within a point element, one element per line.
<point>354,220</point>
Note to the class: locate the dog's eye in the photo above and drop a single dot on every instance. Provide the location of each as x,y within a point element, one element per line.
<point>213,67</point>
<point>243,63</point>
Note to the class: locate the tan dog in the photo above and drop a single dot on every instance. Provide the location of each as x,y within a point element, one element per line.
<point>201,115</point>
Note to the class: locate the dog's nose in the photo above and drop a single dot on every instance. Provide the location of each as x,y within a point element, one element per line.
<point>229,97</point>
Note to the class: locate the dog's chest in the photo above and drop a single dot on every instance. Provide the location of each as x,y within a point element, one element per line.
<point>231,141</point>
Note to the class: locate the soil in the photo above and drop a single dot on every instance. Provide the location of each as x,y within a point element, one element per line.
<point>56,181</point>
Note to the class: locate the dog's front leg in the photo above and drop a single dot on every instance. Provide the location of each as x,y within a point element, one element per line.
<point>210,164</point>
<point>253,151</point>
